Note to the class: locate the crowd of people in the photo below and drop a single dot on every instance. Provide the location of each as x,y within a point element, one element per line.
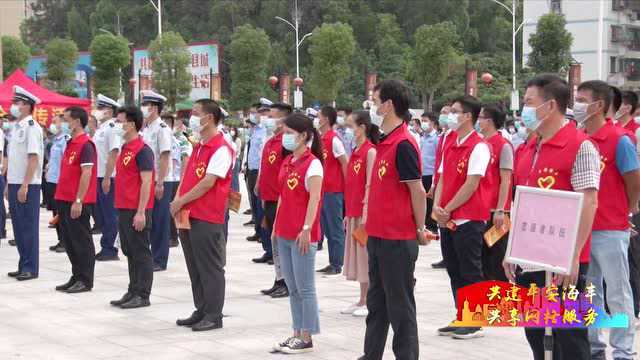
<point>375,183</point>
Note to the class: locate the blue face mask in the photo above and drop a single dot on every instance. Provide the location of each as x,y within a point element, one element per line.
<point>443,119</point>
<point>477,126</point>
<point>530,117</point>
<point>289,142</point>
<point>348,134</point>
<point>6,126</point>
<point>64,128</point>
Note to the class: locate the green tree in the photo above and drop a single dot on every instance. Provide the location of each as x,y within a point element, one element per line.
<point>430,61</point>
<point>62,55</point>
<point>15,55</point>
<point>332,46</point>
<point>550,45</point>
<point>109,54</point>
<point>389,48</point>
<point>250,50</point>
<point>170,59</point>
<point>78,29</point>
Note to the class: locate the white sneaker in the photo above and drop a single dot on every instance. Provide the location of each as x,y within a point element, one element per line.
<point>350,309</point>
<point>362,311</point>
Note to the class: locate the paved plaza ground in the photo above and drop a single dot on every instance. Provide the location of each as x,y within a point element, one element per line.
<point>36,322</point>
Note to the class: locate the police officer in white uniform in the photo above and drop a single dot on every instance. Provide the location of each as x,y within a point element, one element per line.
<point>107,146</point>
<point>24,177</point>
<point>158,136</point>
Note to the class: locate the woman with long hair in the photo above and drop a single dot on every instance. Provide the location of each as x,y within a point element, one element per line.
<point>297,228</point>
<point>356,193</point>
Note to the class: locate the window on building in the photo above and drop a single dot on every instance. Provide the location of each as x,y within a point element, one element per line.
<point>618,5</point>
<point>613,64</point>
<point>616,33</point>
<point>556,6</point>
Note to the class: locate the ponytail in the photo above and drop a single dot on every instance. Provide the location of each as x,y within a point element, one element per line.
<point>316,144</point>
<point>371,131</point>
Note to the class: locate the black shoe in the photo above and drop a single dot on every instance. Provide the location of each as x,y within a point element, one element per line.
<point>12,242</point>
<point>157,267</point>
<point>195,318</point>
<point>54,247</point>
<point>270,262</point>
<point>66,285</point>
<point>463,333</point>
<point>276,286</point>
<point>263,259</point>
<point>325,269</point>
<point>320,246</point>
<point>207,323</point>
<point>297,346</point>
<point>253,237</point>
<point>96,231</point>
<point>60,249</point>
<point>126,297</point>
<point>77,287</point>
<point>281,292</point>
<point>447,330</point>
<point>599,355</point>
<point>438,265</point>
<point>26,276</point>
<point>173,243</point>
<point>103,257</point>
<point>247,212</point>
<point>135,302</point>
<point>333,272</point>
<point>249,223</point>
<point>14,273</point>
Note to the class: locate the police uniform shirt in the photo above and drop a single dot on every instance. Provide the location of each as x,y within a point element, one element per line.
<point>158,136</point>
<point>26,139</point>
<point>106,140</point>
<point>56,152</point>
<point>2,141</point>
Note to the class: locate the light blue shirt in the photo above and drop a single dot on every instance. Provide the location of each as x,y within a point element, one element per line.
<point>256,142</point>
<point>58,144</point>
<point>428,146</point>
<point>626,158</point>
<point>348,145</point>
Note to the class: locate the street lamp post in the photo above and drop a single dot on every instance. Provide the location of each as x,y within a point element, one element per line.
<point>296,28</point>
<point>159,10</point>
<point>515,98</point>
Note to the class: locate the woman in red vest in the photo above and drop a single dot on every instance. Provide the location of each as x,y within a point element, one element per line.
<point>356,191</point>
<point>134,167</point>
<point>297,228</point>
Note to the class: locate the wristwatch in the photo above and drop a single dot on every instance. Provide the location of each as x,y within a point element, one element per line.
<point>305,227</point>
<point>78,201</point>
<point>421,229</point>
<point>499,211</point>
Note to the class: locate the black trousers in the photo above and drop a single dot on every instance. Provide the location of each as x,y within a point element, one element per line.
<point>136,246</point>
<point>53,205</point>
<point>462,254</point>
<point>173,231</point>
<point>568,344</point>
<point>492,257</point>
<point>205,253</point>
<point>390,298</point>
<point>78,242</point>
<point>252,178</point>
<point>634,266</point>
<point>429,222</point>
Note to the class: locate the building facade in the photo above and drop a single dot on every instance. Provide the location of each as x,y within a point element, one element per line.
<point>606,36</point>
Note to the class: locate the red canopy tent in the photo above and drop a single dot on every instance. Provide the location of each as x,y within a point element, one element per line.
<point>52,102</point>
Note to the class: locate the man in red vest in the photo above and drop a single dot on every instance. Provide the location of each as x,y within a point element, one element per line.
<point>619,194</point>
<point>461,205</point>
<point>75,195</point>
<point>559,157</point>
<point>395,224</point>
<point>134,167</point>
<point>335,169</point>
<point>624,115</point>
<point>203,195</point>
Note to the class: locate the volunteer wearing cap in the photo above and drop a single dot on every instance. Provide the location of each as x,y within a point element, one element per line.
<point>203,192</point>
<point>61,132</point>
<point>158,136</point>
<point>618,196</point>
<point>107,145</point>
<point>74,199</point>
<point>257,139</point>
<point>24,176</point>
<point>134,167</point>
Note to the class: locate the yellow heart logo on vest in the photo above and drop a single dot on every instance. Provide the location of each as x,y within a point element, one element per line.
<point>200,172</point>
<point>272,157</point>
<point>546,182</point>
<point>72,156</point>
<point>356,167</point>
<point>602,163</point>
<point>382,169</point>
<point>324,154</point>
<point>292,183</point>
<point>126,159</point>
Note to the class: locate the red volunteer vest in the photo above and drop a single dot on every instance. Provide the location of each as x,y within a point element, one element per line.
<point>554,165</point>
<point>270,168</point>
<point>333,180</point>
<point>390,215</point>
<point>127,196</point>
<point>496,142</point>
<point>354,189</point>
<point>211,206</point>
<point>443,143</point>
<point>454,174</point>
<point>70,172</point>
<point>613,207</point>
<point>630,129</point>
<point>294,199</point>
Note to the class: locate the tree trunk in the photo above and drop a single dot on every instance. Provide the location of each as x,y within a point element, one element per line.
<point>427,100</point>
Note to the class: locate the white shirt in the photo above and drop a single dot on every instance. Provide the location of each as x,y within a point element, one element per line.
<point>337,147</point>
<point>158,136</point>
<point>1,147</point>
<point>106,140</point>
<point>314,169</point>
<point>26,139</point>
<point>220,162</point>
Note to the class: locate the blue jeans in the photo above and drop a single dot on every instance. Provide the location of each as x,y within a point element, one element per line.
<point>108,218</point>
<point>299,275</point>
<point>609,261</point>
<point>331,223</point>
<point>235,181</point>
<point>265,237</point>
<point>161,218</point>
<point>3,210</point>
<point>25,218</point>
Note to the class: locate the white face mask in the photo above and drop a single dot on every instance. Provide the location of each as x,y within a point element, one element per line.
<point>98,114</point>
<point>580,112</point>
<point>118,129</point>
<point>194,124</point>
<point>145,111</point>
<point>340,120</point>
<point>15,110</point>
<point>453,121</point>
<point>375,118</point>
<point>316,123</point>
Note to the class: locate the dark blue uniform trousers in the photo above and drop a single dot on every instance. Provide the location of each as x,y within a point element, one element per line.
<point>107,218</point>
<point>25,218</point>
<point>3,210</point>
<point>161,218</point>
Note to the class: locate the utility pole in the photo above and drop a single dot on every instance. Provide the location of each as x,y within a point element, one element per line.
<point>159,10</point>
